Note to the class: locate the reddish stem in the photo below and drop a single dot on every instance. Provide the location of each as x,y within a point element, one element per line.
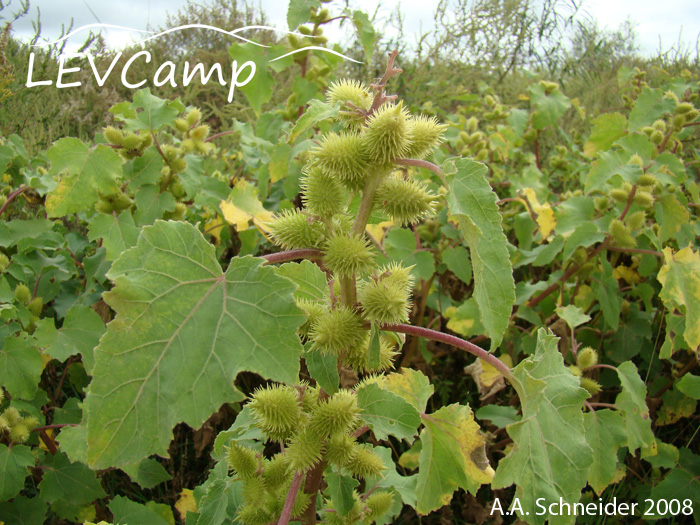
<point>12,196</point>
<point>292,255</point>
<point>291,498</point>
<point>451,340</point>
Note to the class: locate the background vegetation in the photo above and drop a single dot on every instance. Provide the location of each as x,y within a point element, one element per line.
<point>567,117</point>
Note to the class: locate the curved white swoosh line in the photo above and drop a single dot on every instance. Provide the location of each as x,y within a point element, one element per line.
<point>233,33</point>
<point>205,26</point>
<point>317,48</point>
<point>88,26</point>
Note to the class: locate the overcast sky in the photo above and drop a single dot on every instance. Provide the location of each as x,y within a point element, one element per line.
<point>654,19</point>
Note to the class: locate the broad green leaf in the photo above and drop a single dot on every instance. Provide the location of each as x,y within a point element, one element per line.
<point>244,431</point>
<point>20,366</point>
<point>465,319</point>
<point>550,458</point>
<point>365,32</point>
<point>472,200</point>
<point>147,473</point>
<point>82,171</point>
<point>145,169</point>
<point>182,332</point>
<point>607,292</point>
<point>608,164</point>
<point>681,483</point>
<point>666,455</point>
<point>573,315</point>
<point>457,260</point>
<point>412,385</point>
<point>453,456</point>
<point>23,511</point>
<point>585,235</point>
<point>605,433</point>
<point>13,469</point>
<point>340,489</point>
<point>404,486</point>
<point>80,333</point>
<point>221,502</point>
<point>311,282</point>
<point>680,280</point>
<point>74,483</point>
<point>632,402</point>
<point>400,246</point>
<point>258,90</point>
<point>572,213</point>
<point>690,386</point>
<point>12,232</point>
<point>542,255</point>
<point>317,111</point>
<point>118,232</point>
<point>324,369</point>
<point>127,512</point>
<point>387,413</point>
<point>650,106</point>
<point>670,216</point>
<point>548,108</point>
<point>151,204</point>
<point>607,128</point>
<point>299,11</point>
<point>147,112</point>
<point>500,416</point>
<point>72,442</point>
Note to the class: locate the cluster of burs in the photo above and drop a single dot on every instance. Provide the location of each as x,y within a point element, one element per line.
<point>312,427</point>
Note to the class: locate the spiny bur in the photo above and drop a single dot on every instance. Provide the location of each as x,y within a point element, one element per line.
<point>386,298</point>
<point>346,91</point>
<point>276,410</point>
<point>344,157</point>
<point>348,255</point>
<point>591,385</point>
<point>22,293</point>
<point>242,461</point>
<point>621,236</point>
<point>586,358</point>
<point>293,229</point>
<point>304,451</point>
<point>379,503</point>
<point>337,330</point>
<point>336,414</point>
<point>322,194</point>
<point>426,135</point>
<point>365,463</point>
<point>340,448</point>
<point>388,134</point>
<point>405,201</point>
<point>4,262</point>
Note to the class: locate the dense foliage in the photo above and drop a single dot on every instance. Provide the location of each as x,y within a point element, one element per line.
<point>162,361</point>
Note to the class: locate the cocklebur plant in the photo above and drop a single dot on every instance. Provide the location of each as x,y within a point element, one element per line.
<point>314,431</point>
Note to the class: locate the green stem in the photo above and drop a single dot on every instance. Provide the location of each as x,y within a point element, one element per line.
<point>367,203</point>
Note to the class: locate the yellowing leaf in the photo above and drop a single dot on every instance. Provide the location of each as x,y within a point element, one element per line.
<point>453,456</point>
<point>543,212</point>
<point>488,379</point>
<point>214,227</point>
<point>680,280</point>
<point>42,445</point>
<point>379,230</point>
<point>243,205</point>
<point>45,360</point>
<point>186,502</point>
<point>626,273</point>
